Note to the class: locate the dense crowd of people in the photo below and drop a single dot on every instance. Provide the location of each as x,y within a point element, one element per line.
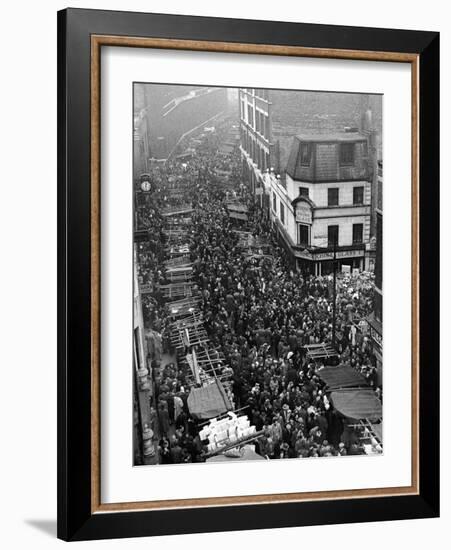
<point>261,313</point>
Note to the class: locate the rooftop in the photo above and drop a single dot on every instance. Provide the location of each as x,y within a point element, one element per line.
<point>332,137</point>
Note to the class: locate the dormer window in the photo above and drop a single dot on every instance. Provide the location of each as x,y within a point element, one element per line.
<point>347,154</point>
<point>306,154</point>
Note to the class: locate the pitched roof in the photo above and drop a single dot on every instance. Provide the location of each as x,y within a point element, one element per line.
<point>294,168</point>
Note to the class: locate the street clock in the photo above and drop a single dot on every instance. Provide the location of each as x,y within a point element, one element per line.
<point>145,185</point>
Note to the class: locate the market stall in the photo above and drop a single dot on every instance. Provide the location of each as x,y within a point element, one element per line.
<point>322,353</point>
<point>341,376</point>
<point>208,401</point>
<point>357,404</point>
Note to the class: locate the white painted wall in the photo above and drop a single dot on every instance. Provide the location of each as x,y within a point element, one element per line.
<point>319,230</point>
<point>324,215</point>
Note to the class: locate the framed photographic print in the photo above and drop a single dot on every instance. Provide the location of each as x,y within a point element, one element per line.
<point>248,274</point>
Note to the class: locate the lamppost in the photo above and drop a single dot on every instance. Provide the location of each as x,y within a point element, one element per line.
<point>334,289</point>
<point>334,293</point>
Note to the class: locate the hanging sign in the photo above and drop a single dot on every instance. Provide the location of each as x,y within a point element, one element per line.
<point>303,213</point>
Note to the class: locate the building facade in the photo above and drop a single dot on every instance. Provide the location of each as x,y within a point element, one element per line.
<point>255,136</point>
<point>144,451</point>
<point>322,207</point>
<point>141,144</point>
<point>314,172</point>
<point>375,319</point>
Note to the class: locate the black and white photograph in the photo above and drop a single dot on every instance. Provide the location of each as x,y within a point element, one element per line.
<point>257,261</point>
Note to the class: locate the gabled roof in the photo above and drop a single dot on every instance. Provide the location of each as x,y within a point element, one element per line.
<point>308,200</point>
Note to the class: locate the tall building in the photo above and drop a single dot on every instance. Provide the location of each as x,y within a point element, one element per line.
<point>255,135</point>
<point>311,169</point>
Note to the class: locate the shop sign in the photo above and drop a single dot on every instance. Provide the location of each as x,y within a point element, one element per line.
<point>340,254</point>
<point>303,213</point>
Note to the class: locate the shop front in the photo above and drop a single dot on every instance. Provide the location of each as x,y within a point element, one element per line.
<point>319,263</point>
<point>348,260</point>
<point>304,262</point>
<point>375,333</point>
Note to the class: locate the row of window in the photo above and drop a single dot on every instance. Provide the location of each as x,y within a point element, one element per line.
<point>257,153</point>
<point>332,234</point>
<point>262,124</point>
<point>250,114</point>
<point>332,230</point>
<point>333,195</point>
<point>346,154</point>
<point>261,120</point>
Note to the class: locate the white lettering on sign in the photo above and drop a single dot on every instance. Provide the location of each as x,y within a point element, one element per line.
<point>303,213</point>
<point>340,254</point>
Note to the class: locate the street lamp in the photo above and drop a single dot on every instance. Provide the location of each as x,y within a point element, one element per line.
<point>334,290</point>
<point>334,306</point>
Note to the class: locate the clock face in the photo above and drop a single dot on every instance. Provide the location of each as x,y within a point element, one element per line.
<point>145,185</point>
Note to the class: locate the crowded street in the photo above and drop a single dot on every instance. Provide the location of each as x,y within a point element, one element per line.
<point>222,304</point>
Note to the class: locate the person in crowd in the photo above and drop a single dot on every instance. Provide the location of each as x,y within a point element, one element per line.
<point>257,310</point>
